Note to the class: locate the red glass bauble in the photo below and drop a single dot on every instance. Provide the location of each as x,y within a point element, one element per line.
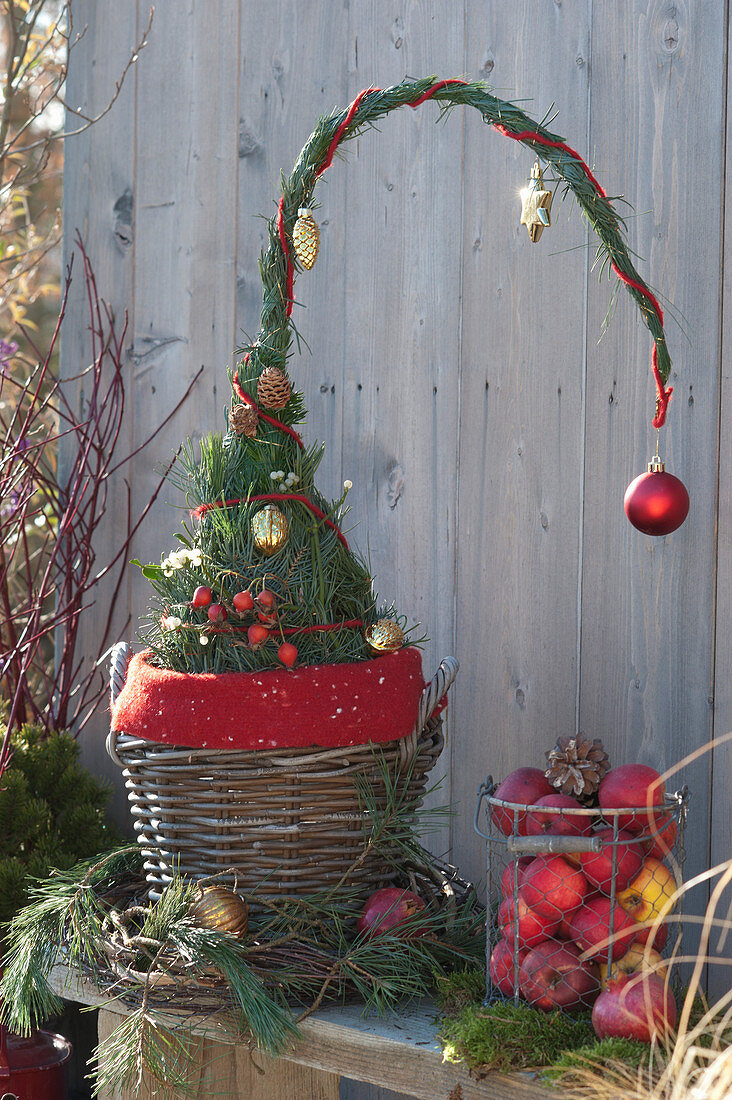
<point>656,502</point>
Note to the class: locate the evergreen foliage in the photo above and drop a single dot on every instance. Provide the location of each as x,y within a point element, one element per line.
<point>316,579</point>
<point>52,813</point>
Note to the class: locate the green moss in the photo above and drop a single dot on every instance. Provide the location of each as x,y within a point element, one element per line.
<point>458,990</point>
<point>509,1037</point>
<point>598,1055</point>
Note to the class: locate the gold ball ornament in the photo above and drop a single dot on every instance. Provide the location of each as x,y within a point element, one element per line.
<point>385,636</point>
<point>221,909</point>
<point>306,238</point>
<point>270,530</point>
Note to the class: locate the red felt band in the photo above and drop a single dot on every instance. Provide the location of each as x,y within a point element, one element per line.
<point>197,513</point>
<point>248,400</point>
<point>326,705</point>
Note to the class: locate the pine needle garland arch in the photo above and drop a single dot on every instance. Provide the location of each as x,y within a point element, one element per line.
<point>279,266</point>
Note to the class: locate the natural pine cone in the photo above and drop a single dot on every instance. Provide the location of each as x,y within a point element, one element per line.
<point>244,420</point>
<point>576,765</point>
<point>273,388</point>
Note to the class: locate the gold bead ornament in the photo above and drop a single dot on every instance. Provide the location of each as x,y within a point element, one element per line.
<point>306,238</point>
<point>221,909</point>
<point>270,530</point>
<point>385,636</point>
<point>536,205</point>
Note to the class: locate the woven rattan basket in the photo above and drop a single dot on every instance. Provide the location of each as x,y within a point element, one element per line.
<point>288,820</point>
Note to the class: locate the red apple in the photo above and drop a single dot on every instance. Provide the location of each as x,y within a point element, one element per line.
<point>558,824</point>
<point>635,1007</point>
<point>590,929</point>
<point>662,834</point>
<point>388,909</point>
<point>507,882</point>
<point>533,927</point>
<point>524,786</point>
<point>552,976</point>
<point>553,887</point>
<point>631,785</point>
<point>598,866</point>
<point>656,934</point>
<point>500,967</point>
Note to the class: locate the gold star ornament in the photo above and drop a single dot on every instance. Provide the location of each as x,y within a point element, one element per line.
<point>536,205</point>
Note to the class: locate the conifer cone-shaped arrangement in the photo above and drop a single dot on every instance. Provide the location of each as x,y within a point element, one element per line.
<point>273,388</point>
<point>244,420</point>
<point>576,765</point>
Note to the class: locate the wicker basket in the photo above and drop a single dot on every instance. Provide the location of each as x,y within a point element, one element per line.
<point>288,820</point>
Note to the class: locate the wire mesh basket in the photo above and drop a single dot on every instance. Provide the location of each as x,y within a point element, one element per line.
<point>289,821</point>
<point>577,897</point>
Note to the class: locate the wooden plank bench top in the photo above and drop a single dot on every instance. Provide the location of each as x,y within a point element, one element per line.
<point>398,1053</point>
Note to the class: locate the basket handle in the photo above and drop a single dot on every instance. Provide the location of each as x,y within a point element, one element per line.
<point>120,659</point>
<point>438,686</point>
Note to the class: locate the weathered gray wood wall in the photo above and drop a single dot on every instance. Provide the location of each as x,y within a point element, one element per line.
<point>457,372</point>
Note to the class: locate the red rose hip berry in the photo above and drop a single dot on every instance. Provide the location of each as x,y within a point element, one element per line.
<point>257,634</point>
<point>217,613</point>
<point>201,596</point>
<point>287,653</point>
<point>243,601</point>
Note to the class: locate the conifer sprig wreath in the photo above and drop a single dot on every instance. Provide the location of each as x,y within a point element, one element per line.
<point>279,267</point>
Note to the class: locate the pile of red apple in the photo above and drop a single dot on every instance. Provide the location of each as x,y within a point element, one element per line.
<point>558,926</point>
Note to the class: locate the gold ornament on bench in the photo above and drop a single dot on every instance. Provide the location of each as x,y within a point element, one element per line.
<point>221,909</point>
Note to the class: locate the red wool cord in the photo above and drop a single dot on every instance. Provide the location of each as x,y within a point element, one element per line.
<point>534,135</point>
<point>351,624</point>
<point>248,400</point>
<point>198,513</point>
<point>663,393</point>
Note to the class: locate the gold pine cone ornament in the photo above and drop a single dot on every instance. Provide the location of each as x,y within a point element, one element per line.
<point>221,909</point>
<point>270,530</point>
<point>385,636</point>
<point>273,388</point>
<point>576,765</point>
<point>306,238</point>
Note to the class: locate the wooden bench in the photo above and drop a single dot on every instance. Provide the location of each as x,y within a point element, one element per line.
<point>398,1053</point>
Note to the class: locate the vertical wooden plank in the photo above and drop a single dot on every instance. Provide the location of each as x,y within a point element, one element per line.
<point>401,316</point>
<point>185,256</point>
<point>648,603</point>
<point>522,390</point>
<point>359,1090</point>
<point>293,70</point>
<point>720,811</point>
<point>220,1069</point>
<point>98,202</point>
